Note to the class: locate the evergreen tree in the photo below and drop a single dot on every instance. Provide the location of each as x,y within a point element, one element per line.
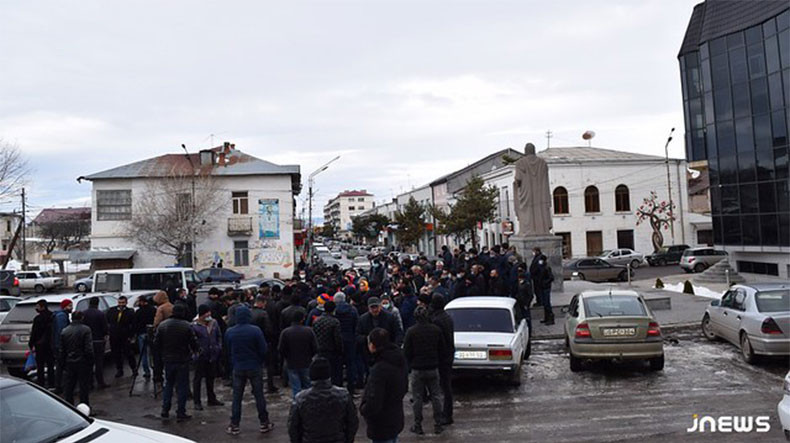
<point>476,204</point>
<point>411,223</point>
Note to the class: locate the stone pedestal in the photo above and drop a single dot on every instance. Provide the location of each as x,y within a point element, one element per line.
<point>550,245</point>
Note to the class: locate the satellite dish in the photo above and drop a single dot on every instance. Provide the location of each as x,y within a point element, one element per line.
<point>588,135</point>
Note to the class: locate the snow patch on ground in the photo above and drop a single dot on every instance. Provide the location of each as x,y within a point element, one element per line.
<point>698,290</point>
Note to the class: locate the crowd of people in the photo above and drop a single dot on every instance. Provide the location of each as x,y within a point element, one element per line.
<point>333,336</point>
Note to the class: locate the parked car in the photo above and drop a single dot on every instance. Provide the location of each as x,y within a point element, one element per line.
<point>6,304</point>
<point>666,255</point>
<point>84,284</point>
<point>219,275</point>
<point>754,317</point>
<point>361,263</point>
<point>594,269</point>
<point>784,407</point>
<point>491,336</point>
<point>700,259</point>
<point>9,283</point>
<point>337,255</point>
<point>15,328</point>
<point>32,414</point>
<point>38,281</point>
<point>623,257</point>
<point>143,279</point>
<point>612,324</point>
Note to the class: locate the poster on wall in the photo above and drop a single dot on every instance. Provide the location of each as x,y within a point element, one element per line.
<point>269,218</point>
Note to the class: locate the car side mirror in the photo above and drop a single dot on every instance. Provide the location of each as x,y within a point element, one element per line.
<point>84,409</point>
<point>715,303</point>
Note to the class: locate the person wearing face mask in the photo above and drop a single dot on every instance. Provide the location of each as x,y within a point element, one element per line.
<point>120,321</point>
<point>209,343</point>
<point>388,306</point>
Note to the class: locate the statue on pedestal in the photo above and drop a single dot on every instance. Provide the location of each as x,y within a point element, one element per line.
<point>533,198</point>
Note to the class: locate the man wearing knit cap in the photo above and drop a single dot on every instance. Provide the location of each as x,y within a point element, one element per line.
<point>348,318</point>
<point>319,308</point>
<point>60,320</point>
<point>338,417</point>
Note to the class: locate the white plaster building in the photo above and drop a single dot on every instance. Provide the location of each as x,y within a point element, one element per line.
<point>339,210</point>
<point>253,231</point>
<point>621,180</point>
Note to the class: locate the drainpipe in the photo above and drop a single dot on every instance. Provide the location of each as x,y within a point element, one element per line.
<point>680,200</point>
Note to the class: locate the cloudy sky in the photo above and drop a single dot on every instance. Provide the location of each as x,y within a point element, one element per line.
<point>404,91</point>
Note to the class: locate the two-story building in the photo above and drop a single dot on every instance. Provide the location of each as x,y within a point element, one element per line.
<point>253,228</point>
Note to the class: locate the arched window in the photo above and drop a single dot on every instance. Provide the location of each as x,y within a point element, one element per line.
<point>591,203</point>
<point>560,200</point>
<point>622,199</point>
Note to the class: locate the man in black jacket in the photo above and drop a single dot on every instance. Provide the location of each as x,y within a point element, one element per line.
<point>120,320</point>
<point>76,348</point>
<point>41,342</point>
<point>443,320</point>
<point>143,320</point>
<point>329,341</point>
<point>297,346</point>
<point>97,321</point>
<point>423,347</point>
<point>261,319</point>
<point>176,343</point>
<point>542,278</point>
<point>338,416</point>
<point>382,402</point>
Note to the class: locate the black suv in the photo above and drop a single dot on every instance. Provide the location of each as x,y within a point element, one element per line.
<point>667,255</point>
<point>9,284</point>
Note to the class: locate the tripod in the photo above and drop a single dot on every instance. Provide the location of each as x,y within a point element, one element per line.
<point>143,351</point>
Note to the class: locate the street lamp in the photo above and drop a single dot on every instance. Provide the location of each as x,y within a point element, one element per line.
<point>310,181</point>
<point>669,186</point>
<point>192,246</point>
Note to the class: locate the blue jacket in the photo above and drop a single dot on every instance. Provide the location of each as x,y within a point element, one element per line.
<point>348,318</point>
<point>209,343</point>
<point>245,342</point>
<point>59,322</point>
<point>407,308</point>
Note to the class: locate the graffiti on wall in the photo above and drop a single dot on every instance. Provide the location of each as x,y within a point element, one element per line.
<point>269,218</point>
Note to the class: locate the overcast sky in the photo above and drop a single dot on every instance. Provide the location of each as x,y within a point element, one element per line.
<point>404,91</point>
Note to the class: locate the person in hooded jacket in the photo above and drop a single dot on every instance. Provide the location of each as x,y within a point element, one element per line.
<point>442,319</point>
<point>209,340</point>
<point>382,402</point>
<point>247,348</point>
<point>77,357</point>
<point>338,423</point>
<point>348,318</point>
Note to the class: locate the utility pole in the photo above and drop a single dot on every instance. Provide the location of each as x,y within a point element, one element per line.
<point>24,233</point>
<point>310,181</point>
<point>549,135</point>
<point>669,186</point>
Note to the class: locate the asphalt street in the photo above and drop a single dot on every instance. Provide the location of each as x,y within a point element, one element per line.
<point>608,402</point>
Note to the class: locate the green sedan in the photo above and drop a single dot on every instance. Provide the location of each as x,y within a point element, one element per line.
<point>612,324</point>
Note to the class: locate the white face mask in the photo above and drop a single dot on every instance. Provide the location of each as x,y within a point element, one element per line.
<point>385,306</point>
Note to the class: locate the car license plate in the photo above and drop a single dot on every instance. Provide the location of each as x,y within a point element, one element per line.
<point>23,338</point>
<point>470,355</point>
<point>619,332</point>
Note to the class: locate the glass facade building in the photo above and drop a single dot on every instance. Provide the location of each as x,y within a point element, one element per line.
<point>735,77</point>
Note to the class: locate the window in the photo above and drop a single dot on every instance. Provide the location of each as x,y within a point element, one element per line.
<point>591,203</point>
<point>705,237</point>
<point>361,199</point>
<point>361,208</point>
<point>240,202</point>
<point>594,243</point>
<point>155,281</point>
<point>567,250</point>
<point>241,253</point>
<point>8,225</point>
<point>772,301</point>
<point>613,306</point>
<point>114,205</point>
<point>561,200</point>
<point>755,267</point>
<point>622,200</point>
<point>352,208</point>
<point>481,320</point>
<point>625,239</point>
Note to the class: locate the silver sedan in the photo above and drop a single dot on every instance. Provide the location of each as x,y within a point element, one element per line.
<point>755,317</point>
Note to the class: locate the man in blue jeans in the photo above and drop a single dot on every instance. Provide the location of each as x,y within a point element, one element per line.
<point>247,349</point>
<point>298,346</point>
<point>175,342</point>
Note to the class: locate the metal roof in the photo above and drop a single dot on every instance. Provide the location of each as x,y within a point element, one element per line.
<point>87,256</point>
<point>49,215</point>
<point>581,154</point>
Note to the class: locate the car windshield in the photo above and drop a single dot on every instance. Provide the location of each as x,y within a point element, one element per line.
<point>481,320</point>
<point>109,282</point>
<point>6,304</point>
<point>24,313</point>
<point>613,306</point>
<point>773,301</point>
<point>29,415</point>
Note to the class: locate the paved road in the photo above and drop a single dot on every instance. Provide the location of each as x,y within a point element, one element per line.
<point>653,272</point>
<point>607,402</point>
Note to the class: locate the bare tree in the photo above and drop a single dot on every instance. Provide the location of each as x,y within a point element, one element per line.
<point>65,232</point>
<point>167,219</point>
<point>14,169</point>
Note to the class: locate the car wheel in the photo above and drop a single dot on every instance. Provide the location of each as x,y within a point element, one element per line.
<point>623,276</point>
<point>746,349</point>
<point>528,351</point>
<point>657,364</point>
<point>787,435</point>
<point>567,342</point>
<point>576,363</point>
<point>699,267</point>
<point>515,377</point>
<point>707,331</point>
<point>634,264</point>
<point>662,262</point>
<point>82,287</point>
<point>580,276</point>
<point>39,289</point>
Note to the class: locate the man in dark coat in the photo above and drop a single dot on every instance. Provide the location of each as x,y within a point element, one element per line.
<point>423,348</point>
<point>76,349</point>
<point>497,285</point>
<point>120,320</point>
<point>175,342</point>
<point>348,318</point>
<point>443,320</point>
<point>297,346</point>
<point>209,340</point>
<point>330,342</point>
<point>542,279</point>
<point>447,258</point>
<point>261,319</point>
<point>143,320</point>
<point>382,402</point>
<point>41,343</point>
<point>97,321</point>
<point>338,416</point>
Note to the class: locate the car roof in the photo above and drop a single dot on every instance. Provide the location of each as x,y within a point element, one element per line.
<point>143,270</point>
<point>604,292</point>
<point>766,286</point>
<point>6,297</point>
<point>6,382</point>
<point>57,298</point>
<point>481,302</point>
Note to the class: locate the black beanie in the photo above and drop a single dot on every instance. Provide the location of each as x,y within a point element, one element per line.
<point>320,369</point>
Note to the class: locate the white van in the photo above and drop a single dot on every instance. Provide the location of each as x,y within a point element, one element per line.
<point>130,280</point>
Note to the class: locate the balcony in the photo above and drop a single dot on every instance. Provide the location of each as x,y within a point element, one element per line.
<point>240,226</point>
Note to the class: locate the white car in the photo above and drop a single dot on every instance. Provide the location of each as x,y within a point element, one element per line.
<point>29,413</point>
<point>784,408</point>
<point>362,263</point>
<point>623,256</point>
<point>6,304</point>
<point>491,335</point>
<point>38,281</point>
